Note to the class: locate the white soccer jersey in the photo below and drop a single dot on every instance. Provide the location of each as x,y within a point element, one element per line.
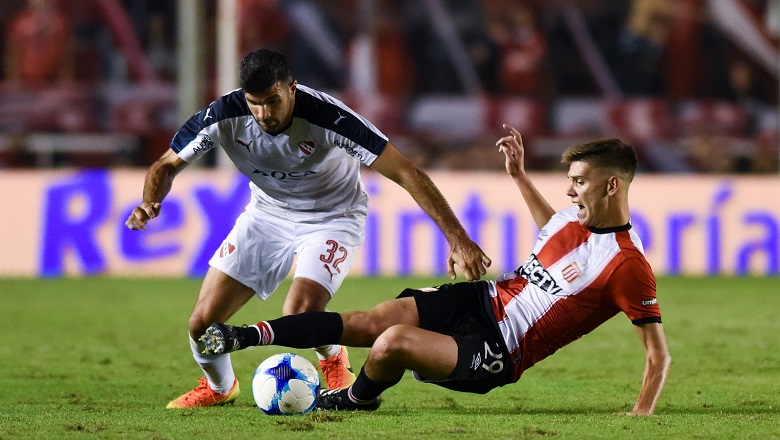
<point>308,172</point>
<point>575,279</point>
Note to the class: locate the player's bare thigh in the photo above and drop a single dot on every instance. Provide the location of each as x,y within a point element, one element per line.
<point>361,329</point>
<point>404,347</point>
<point>220,297</point>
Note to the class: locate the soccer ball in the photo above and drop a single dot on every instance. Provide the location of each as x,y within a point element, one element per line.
<point>286,383</point>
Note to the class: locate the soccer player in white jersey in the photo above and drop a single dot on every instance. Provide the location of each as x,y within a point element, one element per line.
<point>302,151</point>
<point>587,266</point>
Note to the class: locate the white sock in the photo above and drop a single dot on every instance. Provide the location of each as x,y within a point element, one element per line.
<point>327,351</point>
<point>218,368</point>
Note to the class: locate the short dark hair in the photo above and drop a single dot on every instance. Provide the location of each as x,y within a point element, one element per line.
<point>609,153</point>
<point>261,69</point>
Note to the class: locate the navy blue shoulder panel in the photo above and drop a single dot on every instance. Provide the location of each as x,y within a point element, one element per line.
<point>232,105</point>
<point>332,117</point>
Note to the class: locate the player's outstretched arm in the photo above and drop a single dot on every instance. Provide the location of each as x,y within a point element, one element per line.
<point>656,368</point>
<point>157,185</point>
<point>512,147</point>
<point>463,251</point>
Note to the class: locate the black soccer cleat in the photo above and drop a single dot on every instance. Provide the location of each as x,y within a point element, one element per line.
<point>222,338</point>
<point>338,400</point>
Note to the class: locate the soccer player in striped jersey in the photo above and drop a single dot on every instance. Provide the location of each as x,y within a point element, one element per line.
<point>302,151</point>
<point>587,266</point>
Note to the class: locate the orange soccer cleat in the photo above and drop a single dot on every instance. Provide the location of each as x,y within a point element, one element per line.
<point>337,371</point>
<point>203,395</point>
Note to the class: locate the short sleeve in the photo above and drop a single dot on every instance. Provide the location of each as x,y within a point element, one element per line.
<point>192,141</point>
<point>634,290</point>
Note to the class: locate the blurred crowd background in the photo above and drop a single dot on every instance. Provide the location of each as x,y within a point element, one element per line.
<point>693,84</point>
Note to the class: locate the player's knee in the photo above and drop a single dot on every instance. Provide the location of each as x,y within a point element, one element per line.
<point>393,344</point>
<point>198,324</point>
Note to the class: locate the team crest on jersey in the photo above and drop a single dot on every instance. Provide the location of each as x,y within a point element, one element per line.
<point>533,271</point>
<point>226,249</point>
<point>306,147</point>
<point>571,272</point>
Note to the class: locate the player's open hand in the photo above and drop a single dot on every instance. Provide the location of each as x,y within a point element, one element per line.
<point>512,147</point>
<point>470,258</point>
<point>142,214</point>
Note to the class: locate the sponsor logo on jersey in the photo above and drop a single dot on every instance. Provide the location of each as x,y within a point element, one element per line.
<point>306,147</point>
<point>281,175</point>
<point>226,249</point>
<point>651,302</point>
<point>533,271</point>
<point>571,272</point>
<point>245,144</point>
<point>205,144</point>
<point>348,148</point>
<point>208,114</point>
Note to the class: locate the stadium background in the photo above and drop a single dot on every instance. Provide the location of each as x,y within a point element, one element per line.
<point>91,101</point>
<point>95,315</point>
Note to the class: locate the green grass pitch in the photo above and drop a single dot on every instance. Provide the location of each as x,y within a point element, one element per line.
<point>101,357</point>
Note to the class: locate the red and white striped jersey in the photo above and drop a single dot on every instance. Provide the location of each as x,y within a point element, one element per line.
<point>576,279</point>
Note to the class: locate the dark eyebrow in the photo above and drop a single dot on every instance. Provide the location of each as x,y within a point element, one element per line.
<point>254,102</point>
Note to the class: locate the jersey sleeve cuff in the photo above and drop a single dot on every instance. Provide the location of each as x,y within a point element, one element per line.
<point>647,320</point>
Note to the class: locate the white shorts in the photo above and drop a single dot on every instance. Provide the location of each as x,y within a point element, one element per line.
<point>260,250</point>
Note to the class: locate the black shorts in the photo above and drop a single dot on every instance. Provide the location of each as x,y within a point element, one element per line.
<point>463,311</point>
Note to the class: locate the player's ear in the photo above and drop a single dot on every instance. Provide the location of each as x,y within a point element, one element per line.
<point>293,87</point>
<point>613,185</point>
